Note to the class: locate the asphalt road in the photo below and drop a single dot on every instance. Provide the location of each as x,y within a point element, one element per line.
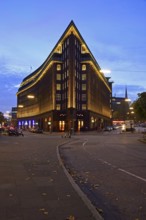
<point>33,185</point>
<point>111,169</point>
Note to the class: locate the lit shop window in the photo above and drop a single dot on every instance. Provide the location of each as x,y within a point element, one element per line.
<point>58,76</point>
<point>80,124</point>
<point>83,49</point>
<point>83,106</point>
<point>59,49</point>
<point>83,87</point>
<point>58,67</point>
<point>61,125</point>
<point>84,77</point>
<point>58,107</point>
<point>83,67</point>
<point>58,86</point>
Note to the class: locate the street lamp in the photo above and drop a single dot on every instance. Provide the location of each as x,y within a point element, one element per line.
<point>20,106</point>
<point>131,108</point>
<point>105,71</point>
<point>49,124</point>
<point>30,96</point>
<point>127,100</point>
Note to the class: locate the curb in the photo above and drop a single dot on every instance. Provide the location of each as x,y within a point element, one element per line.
<point>82,195</point>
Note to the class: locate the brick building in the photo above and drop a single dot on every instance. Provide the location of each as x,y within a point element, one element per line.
<point>67,91</point>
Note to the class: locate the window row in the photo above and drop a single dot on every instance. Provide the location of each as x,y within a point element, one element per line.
<point>79,97</point>
<point>64,76</point>
<point>83,107</point>
<point>67,63</point>
<point>60,87</point>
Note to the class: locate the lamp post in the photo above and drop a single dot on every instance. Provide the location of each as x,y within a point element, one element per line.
<point>30,96</point>
<point>49,124</point>
<point>105,71</point>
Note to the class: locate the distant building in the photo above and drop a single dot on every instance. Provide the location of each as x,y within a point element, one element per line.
<point>14,116</point>
<point>68,91</point>
<point>120,107</point>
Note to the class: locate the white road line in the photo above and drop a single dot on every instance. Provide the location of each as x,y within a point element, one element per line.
<point>84,142</point>
<point>109,164</point>
<point>132,174</point>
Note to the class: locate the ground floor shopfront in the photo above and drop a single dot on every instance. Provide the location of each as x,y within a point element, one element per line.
<point>65,120</point>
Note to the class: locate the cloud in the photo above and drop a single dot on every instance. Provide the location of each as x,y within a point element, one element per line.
<point>17,86</point>
<point>10,77</point>
<point>10,67</point>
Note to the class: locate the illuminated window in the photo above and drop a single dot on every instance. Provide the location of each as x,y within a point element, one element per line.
<point>83,87</point>
<point>58,76</point>
<point>83,76</point>
<point>83,67</point>
<point>59,49</point>
<point>61,125</point>
<point>58,107</point>
<point>58,67</point>
<point>80,124</point>
<point>83,49</point>
<point>83,106</point>
<point>58,86</point>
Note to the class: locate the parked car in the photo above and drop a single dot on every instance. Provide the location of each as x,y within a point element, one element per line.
<point>38,130</point>
<point>15,132</point>
<point>84,129</point>
<point>108,128</point>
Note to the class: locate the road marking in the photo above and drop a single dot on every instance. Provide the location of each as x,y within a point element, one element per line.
<point>109,164</point>
<point>132,174</point>
<point>84,142</point>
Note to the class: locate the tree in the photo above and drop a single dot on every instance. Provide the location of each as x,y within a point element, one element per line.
<point>2,119</point>
<point>140,106</point>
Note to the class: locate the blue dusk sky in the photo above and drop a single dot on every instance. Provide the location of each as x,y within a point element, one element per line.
<point>114,30</point>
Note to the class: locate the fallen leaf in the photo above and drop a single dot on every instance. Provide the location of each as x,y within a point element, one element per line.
<point>71,217</point>
<point>44,194</point>
<point>27,178</point>
<point>68,195</point>
<point>99,210</point>
<point>45,213</point>
<point>10,195</point>
<point>42,209</point>
<point>96,185</point>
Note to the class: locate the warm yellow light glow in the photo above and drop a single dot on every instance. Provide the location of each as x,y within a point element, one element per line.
<point>98,72</point>
<point>20,106</point>
<point>30,96</point>
<point>132,112</point>
<point>105,71</point>
<point>127,100</point>
<point>131,108</point>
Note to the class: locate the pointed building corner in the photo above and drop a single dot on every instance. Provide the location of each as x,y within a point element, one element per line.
<point>72,22</point>
<point>62,94</point>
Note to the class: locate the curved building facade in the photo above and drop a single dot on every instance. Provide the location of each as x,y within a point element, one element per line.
<point>67,91</point>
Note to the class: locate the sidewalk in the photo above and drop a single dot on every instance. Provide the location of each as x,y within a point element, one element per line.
<point>33,183</point>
